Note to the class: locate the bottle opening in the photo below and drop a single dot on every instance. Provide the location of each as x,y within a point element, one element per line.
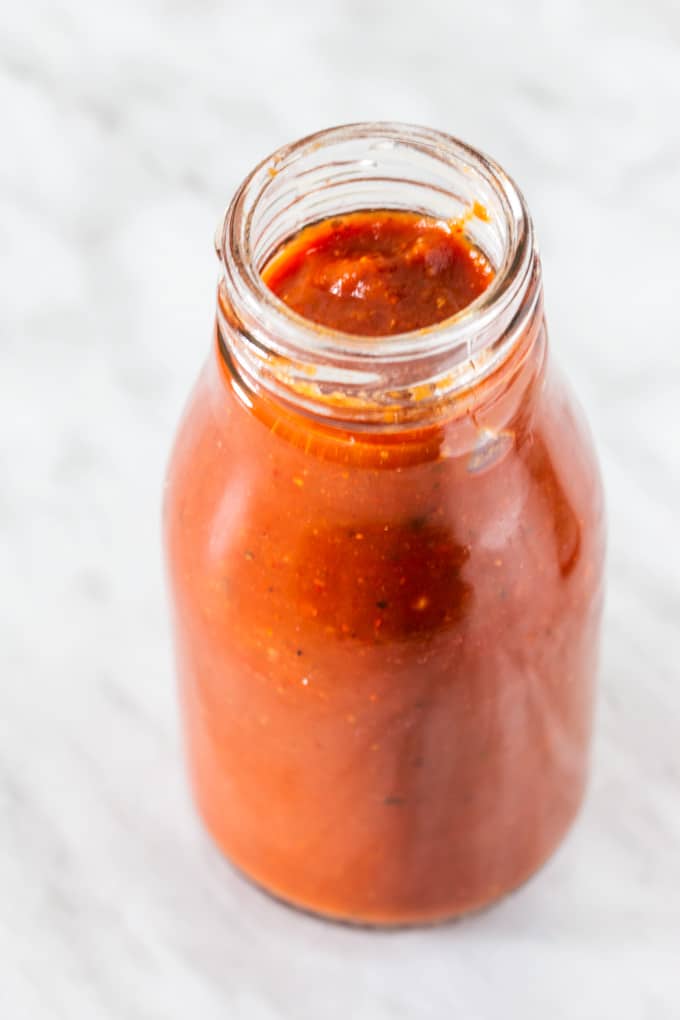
<point>367,167</point>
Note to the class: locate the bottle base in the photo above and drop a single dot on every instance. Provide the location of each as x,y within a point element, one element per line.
<point>377,919</point>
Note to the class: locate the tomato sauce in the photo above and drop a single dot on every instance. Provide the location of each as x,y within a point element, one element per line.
<point>378,273</point>
<point>386,639</point>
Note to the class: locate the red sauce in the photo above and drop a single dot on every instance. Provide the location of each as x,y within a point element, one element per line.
<point>386,638</point>
<point>380,272</point>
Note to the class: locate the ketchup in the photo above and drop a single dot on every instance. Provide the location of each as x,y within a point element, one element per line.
<point>386,637</point>
<point>378,273</point>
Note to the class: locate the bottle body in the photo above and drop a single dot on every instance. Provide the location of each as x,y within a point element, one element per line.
<point>387,639</point>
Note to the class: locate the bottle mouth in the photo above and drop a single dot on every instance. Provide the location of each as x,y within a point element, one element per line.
<point>377,166</point>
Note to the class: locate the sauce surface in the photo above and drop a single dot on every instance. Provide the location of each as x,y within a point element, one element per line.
<point>379,272</point>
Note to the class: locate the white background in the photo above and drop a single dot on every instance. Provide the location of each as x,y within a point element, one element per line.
<point>125,127</point>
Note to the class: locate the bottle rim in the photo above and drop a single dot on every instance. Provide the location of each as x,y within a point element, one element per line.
<point>471,343</point>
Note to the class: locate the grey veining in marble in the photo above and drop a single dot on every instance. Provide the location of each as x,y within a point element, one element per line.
<point>125,128</point>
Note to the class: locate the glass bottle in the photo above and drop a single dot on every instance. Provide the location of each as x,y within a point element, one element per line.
<point>385,559</point>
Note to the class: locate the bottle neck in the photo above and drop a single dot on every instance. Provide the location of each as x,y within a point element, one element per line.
<point>450,369</point>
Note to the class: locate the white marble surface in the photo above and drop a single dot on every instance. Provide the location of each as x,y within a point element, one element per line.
<point>124,128</point>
